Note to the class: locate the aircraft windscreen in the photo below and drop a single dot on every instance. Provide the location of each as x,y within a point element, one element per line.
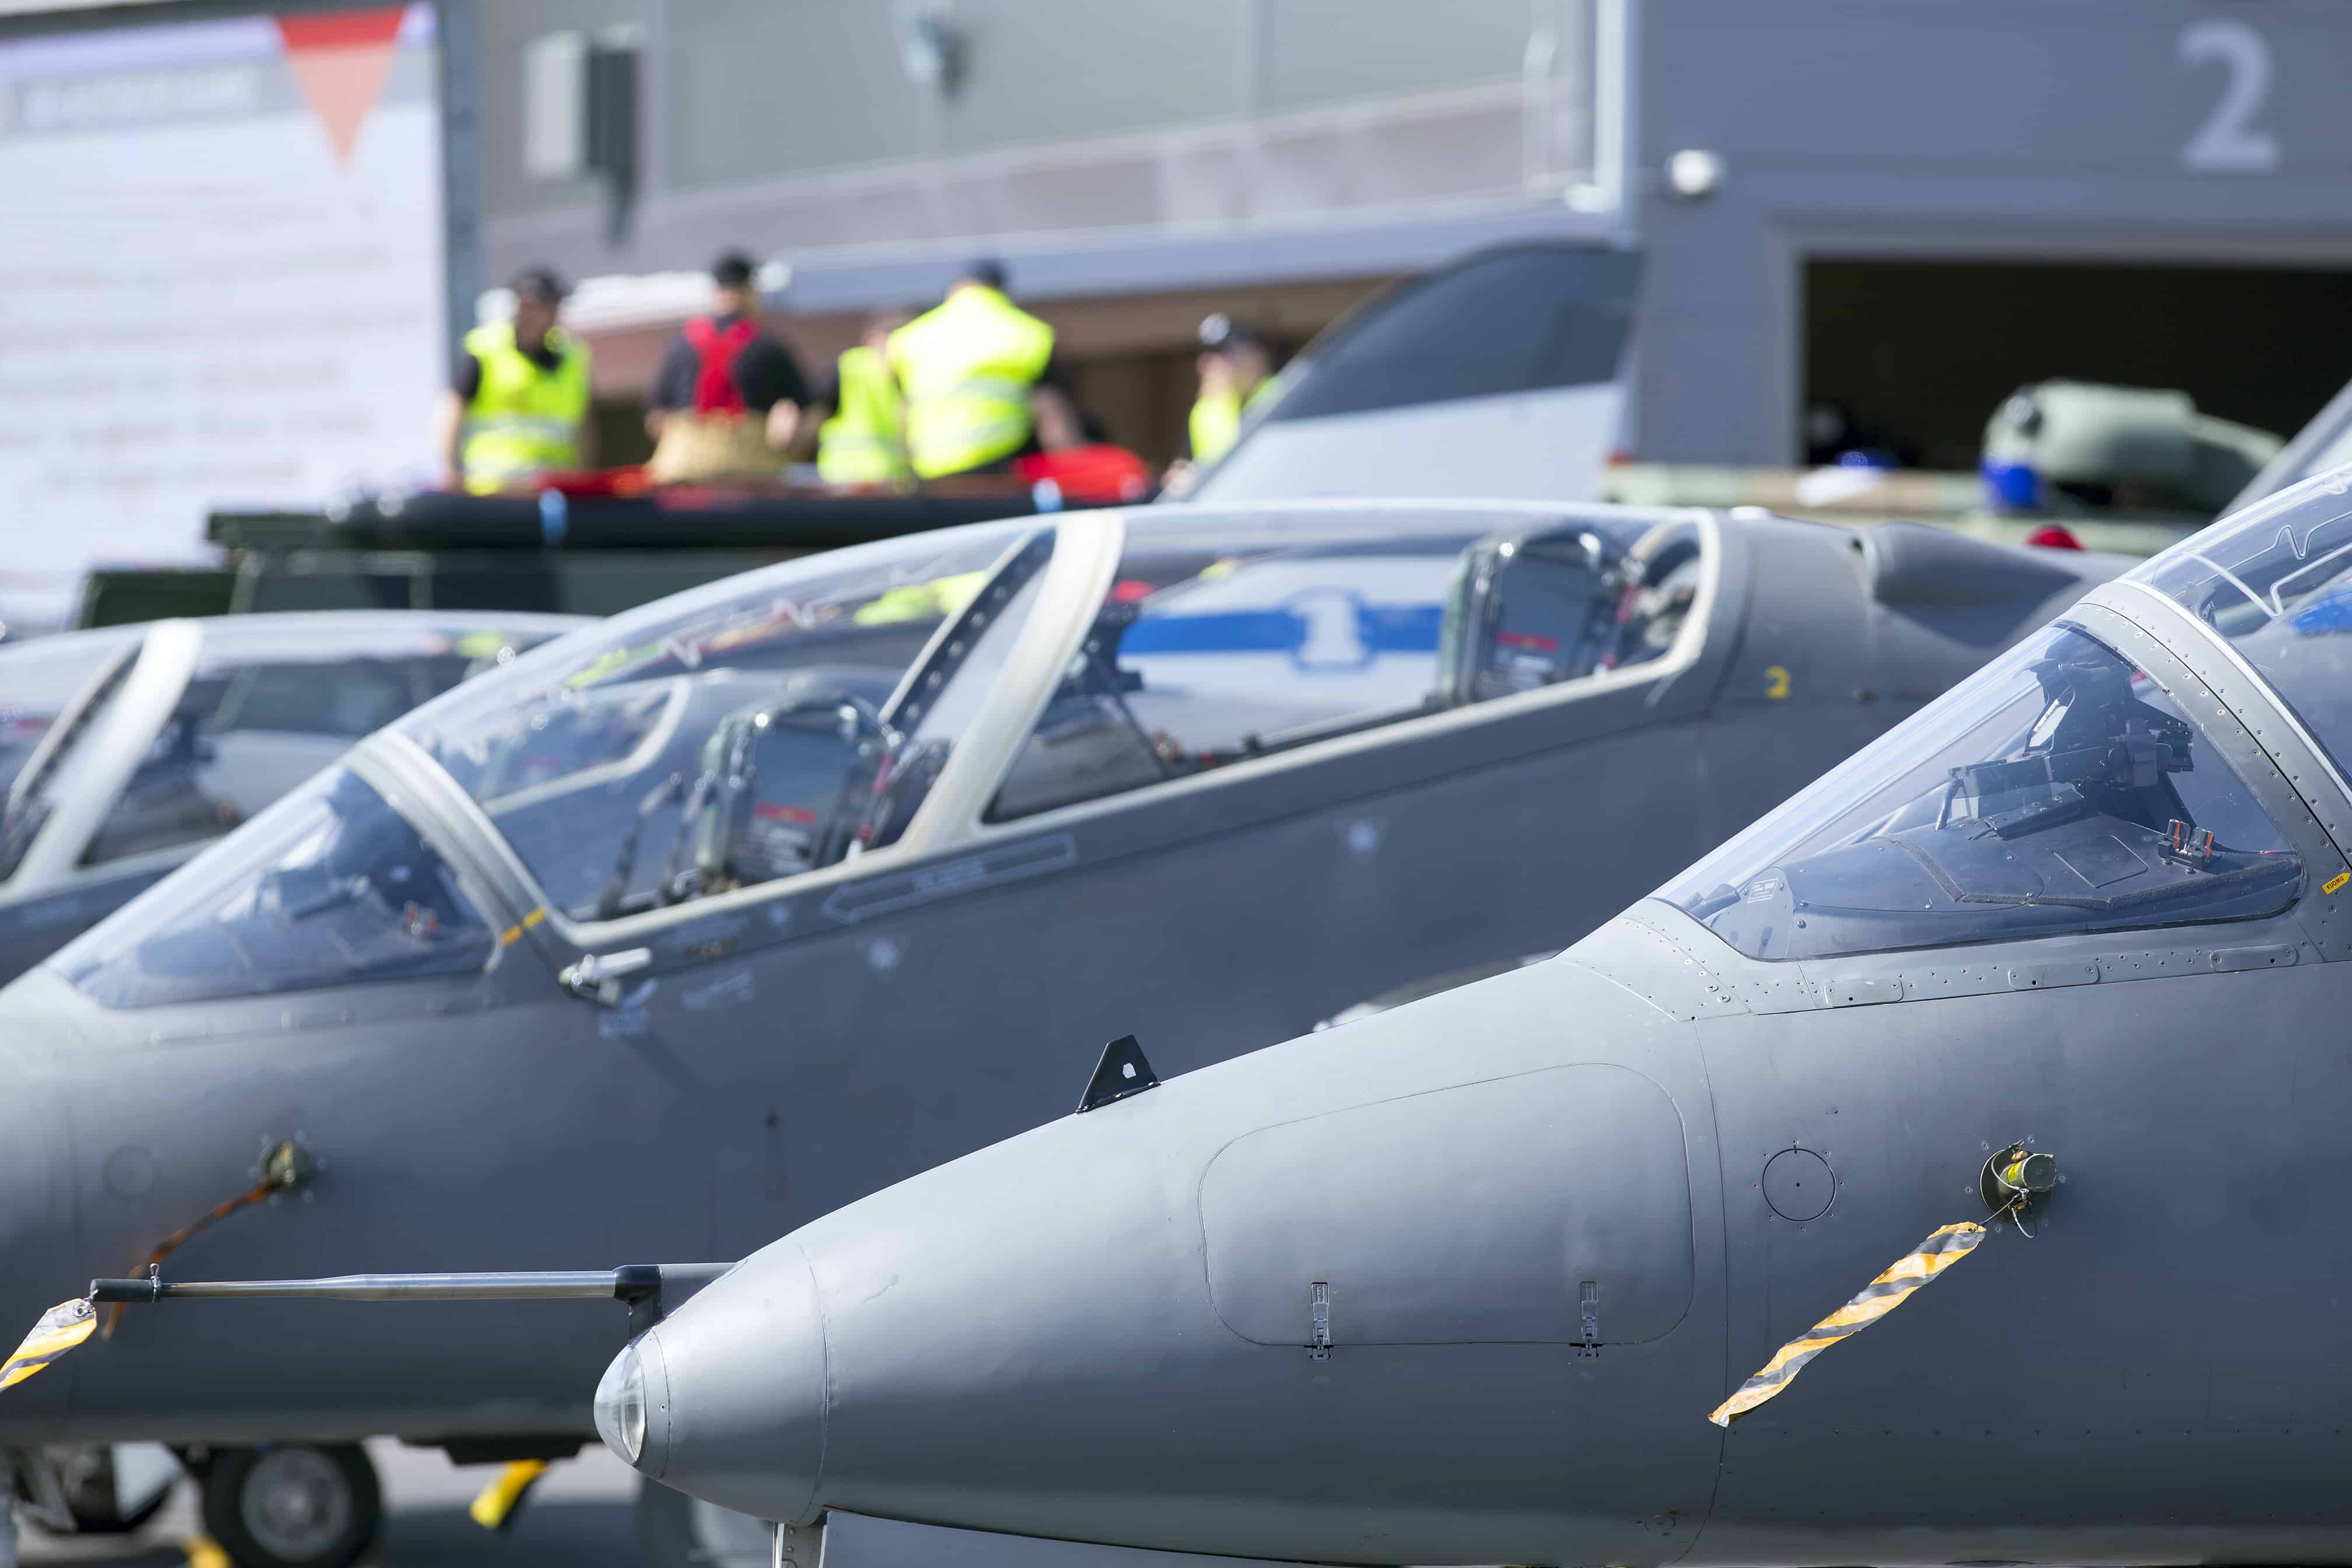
<point>271,701</point>
<point>2276,580</point>
<point>751,730</point>
<point>328,886</point>
<point>1224,640</point>
<point>1449,336</point>
<point>43,779</point>
<point>37,678</point>
<point>1495,376</point>
<point>2061,789</point>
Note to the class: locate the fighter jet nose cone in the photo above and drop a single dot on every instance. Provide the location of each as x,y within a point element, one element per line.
<point>728,1396</point>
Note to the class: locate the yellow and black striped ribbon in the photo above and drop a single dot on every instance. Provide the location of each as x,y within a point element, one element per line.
<point>61,1327</point>
<point>1881,1296</point>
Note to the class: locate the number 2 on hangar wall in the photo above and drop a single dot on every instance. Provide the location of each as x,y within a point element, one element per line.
<point>2228,143</point>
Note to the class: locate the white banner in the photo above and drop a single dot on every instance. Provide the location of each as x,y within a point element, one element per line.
<point>222,281</point>
<point>31,7</point>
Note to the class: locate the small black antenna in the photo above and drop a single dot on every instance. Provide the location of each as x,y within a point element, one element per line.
<point>1122,1072</point>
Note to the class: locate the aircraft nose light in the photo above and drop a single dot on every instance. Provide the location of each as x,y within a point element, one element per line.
<point>621,1405</point>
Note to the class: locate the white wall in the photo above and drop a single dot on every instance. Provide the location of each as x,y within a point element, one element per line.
<point>203,300</point>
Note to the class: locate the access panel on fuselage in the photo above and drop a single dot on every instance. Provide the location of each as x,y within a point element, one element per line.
<point>1569,1216</point>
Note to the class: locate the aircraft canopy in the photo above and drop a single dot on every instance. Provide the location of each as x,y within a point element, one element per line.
<point>2275,581</point>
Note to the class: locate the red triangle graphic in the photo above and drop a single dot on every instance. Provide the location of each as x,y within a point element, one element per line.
<point>340,60</point>
<point>342,29</point>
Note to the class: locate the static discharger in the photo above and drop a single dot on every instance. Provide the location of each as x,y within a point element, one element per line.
<point>2013,1179</point>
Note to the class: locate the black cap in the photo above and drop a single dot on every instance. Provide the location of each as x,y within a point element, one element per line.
<point>984,270</point>
<point>539,285</point>
<point>732,270</point>
<point>1220,331</point>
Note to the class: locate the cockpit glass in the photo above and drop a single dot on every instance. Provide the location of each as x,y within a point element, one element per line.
<point>763,727</point>
<point>37,679</point>
<point>270,702</point>
<point>41,777</point>
<point>328,886</point>
<point>2060,789</point>
<point>1226,639</point>
<point>2276,580</point>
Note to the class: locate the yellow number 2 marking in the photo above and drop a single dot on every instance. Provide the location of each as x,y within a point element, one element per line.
<point>1776,681</point>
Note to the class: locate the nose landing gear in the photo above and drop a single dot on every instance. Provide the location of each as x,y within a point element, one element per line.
<point>292,1505</point>
<point>83,1489</point>
<point>680,1531</point>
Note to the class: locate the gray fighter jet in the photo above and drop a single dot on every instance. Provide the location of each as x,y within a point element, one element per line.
<point>1500,375</point>
<point>697,925</point>
<point>1484,1279</point>
<point>123,752</point>
<point>2324,443</point>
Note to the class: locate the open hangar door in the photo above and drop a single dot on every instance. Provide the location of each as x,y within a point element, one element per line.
<point>1912,356</point>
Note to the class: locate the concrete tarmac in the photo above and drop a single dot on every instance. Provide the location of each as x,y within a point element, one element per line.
<point>582,1512</point>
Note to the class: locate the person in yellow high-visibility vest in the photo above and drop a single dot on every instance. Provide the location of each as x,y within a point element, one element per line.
<point>978,377</point>
<point>864,440</point>
<point>1236,375</point>
<point>518,404</point>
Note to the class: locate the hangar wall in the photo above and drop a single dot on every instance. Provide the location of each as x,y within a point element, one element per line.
<point>1149,157</point>
<point>1137,165</point>
<point>2138,134</point>
<point>1137,152</point>
<point>1106,149</point>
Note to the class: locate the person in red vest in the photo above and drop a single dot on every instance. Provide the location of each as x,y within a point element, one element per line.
<point>729,402</point>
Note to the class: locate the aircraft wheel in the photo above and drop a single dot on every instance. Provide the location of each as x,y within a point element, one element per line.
<point>99,1516</point>
<point>92,1490</point>
<point>680,1531</point>
<point>104,1521</point>
<point>293,1505</point>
